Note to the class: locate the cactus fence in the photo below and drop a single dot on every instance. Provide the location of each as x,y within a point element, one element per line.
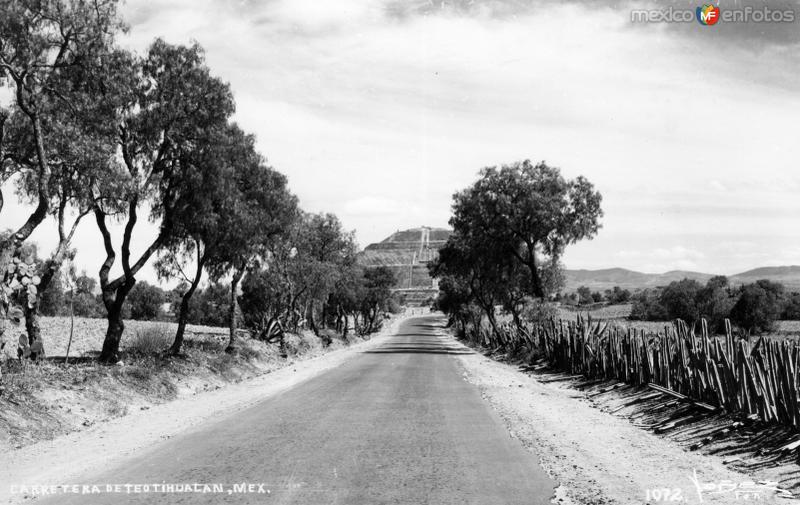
<point>759,380</point>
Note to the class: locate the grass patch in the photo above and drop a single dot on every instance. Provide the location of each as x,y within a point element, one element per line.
<point>150,340</point>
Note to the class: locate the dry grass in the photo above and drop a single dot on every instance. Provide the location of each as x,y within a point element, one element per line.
<point>150,340</point>
<point>621,311</point>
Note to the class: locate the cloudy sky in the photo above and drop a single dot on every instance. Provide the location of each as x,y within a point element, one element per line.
<point>379,110</point>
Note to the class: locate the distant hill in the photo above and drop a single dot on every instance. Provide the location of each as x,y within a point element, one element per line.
<point>406,252</point>
<point>599,280</point>
<point>789,276</point>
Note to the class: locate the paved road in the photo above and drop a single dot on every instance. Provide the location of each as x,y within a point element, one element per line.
<point>398,424</point>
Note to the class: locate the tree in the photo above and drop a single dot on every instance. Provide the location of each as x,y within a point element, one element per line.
<point>791,309</point>
<point>171,101</point>
<point>303,278</point>
<point>145,301</point>
<point>758,306</point>
<point>49,54</point>
<point>258,223</point>
<point>378,284</point>
<point>208,306</point>
<point>715,302</point>
<point>482,268</point>
<point>87,302</point>
<point>225,191</point>
<point>680,300</point>
<point>530,212</point>
<point>618,295</point>
<point>585,296</point>
<point>53,300</point>
<point>345,298</point>
<point>647,306</point>
<point>323,251</point>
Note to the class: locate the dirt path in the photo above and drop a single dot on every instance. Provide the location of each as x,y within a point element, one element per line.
<point>598,458</point>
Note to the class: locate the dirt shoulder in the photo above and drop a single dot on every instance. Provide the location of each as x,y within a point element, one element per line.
<point>599,458</point>
<point>145,424</point>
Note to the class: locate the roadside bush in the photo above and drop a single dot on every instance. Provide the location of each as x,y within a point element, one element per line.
<point>145,301</point>
<point>537,311</point>
<point>150,340</point>
<point>758,307</point>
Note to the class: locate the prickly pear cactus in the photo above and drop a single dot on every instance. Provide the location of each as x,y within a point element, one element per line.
<point>19,286</point>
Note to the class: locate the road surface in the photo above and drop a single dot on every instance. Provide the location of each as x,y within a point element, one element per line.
<point>397,424</point>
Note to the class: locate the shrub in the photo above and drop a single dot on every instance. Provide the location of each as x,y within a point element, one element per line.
<point>647,306</point>
<point>758,306</point>
<point>145,301</point>
<point>537,311</point>
<point>585,296</point>
<point>715,301</point>
<point>88,305</point>
<point>687,300</point>
<point>150,340</point>
<point>618,295</point>
<point>209,306</point>
<point>791,308</point>
<point>679,300</point>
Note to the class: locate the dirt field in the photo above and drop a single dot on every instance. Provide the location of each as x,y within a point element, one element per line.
<point>88,334</point>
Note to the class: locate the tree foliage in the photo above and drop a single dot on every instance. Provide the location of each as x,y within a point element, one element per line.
<point>145,301</point>
<point>510,229</point>
<point>530,212</point>
<point>758,306</point>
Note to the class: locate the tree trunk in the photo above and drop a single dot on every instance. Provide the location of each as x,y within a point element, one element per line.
<point>375,310</point>
<point>110,352</point>
<point>312,324</point>
<point>50,270</point>
<point>492,323</point>
<point>183,314</point>
<point>115,292</point>
<point>237,276</point>
<point>536,281</point>
<point>516,317</point>
<point>34,332</point>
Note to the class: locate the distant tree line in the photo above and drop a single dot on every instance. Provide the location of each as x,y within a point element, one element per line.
<point>99,133</point>
<point>585,296</point>
<point>753,307</point>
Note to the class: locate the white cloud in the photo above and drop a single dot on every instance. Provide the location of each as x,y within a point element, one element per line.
<point>372,206</point>
<point>677,253</point>
<point>366,113</point>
